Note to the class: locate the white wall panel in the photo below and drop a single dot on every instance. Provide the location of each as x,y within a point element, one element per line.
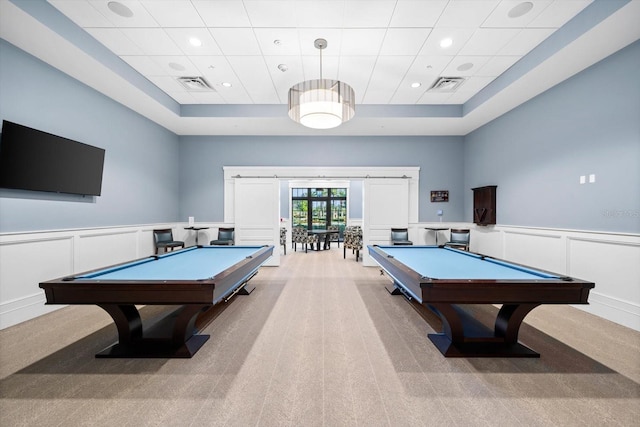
<point>107,248</point>
<point>23,265</point>
<point>546,251</point>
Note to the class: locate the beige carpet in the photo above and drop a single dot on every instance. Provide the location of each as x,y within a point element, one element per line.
<point>320,342</point>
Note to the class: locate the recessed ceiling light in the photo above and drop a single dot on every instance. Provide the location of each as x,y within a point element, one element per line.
<point>119,9</point>
<point>283,67</point>
<point>416,84</point>
<point>226,84</point>
<point>445,43</point>
<point>465,67</point>
<point>176,66</point>
<point>520,9</point>
<point>194,41</point>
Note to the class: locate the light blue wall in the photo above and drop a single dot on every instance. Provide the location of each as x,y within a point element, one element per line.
<point>140,181</point>
<point>202,157</point>
<point>535,154</point>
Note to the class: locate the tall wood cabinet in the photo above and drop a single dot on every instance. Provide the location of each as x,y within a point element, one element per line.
<point>484,205</point>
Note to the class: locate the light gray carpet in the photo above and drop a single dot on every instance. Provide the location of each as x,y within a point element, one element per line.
<point>320,342</point>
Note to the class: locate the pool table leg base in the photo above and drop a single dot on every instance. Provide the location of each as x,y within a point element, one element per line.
<point>480,348</point>
<point>155,349</point>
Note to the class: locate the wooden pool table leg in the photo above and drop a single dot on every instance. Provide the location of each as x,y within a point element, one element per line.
<point>465,336</point>
<point>173,335</point>
<point>510,318</point>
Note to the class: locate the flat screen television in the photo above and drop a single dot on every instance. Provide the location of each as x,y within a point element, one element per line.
<point>39,161</point>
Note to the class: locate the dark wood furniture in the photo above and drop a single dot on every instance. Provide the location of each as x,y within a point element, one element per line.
<point>197,230</point>
<point>440,279</point>
<point>324,236</point>
<point>484,205</point>
<point>435,231</point>
<point>194,279</point>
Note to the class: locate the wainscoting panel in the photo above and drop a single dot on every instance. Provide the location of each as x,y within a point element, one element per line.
<point>546,250</point>
<point>97,250</point>
<point>24,264</point>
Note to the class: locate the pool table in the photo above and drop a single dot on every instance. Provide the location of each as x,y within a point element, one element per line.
<point>194,279</point>
<point>442,278</point>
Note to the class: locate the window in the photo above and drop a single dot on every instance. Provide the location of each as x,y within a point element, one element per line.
<point>317,208</point>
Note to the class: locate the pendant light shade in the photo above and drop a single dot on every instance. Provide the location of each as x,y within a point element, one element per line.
<point>321,103</point>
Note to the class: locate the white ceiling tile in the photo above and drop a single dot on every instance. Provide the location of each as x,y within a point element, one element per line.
<point>206,97</point>
<point>176,65</point>
<point>460,36</point>
<point>294,73</point>
<point>288,42</point>
<point>497,65</point>
<point>526,40</point>
<point>173,13</point>
<point>374,13</point>
<point>271,13</point>
<point>311,67</point>
<point>82,13</point>
<point>115,40</point>
<point>216,69</point>
<point>236,41</point>
<point>182,97</point>
<point>463,66</point>
<point>404,41</point>
<point>459,97</point>
<point>283,81</point>
<point>488,41</point>
<point>357,41</point>
<point>474,84</point>
<point>222,13</point>
<point>500,18</point>
<point>356,72</point>
<point>405,94</point>
<point>253,73</point>
<point>559,13</point>
<point>434,98</point>
<point>466,13</point>
<point>378,95</point>
<point>425,69</point>
<point>141,18</point>
<point>152,41</point>
<point>181,37</point>
<point>319,13</point>
<point>166,83</point>
<point>417,13</point>
<point>390,70</point>
<point>308,36</point>
<point>144,65</point>
<point>386,77</point>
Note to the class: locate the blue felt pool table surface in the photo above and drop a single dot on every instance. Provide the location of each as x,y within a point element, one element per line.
<point>196,263</point>
<point>448,263</point>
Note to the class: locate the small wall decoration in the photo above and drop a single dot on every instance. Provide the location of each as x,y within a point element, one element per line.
<point>440,196</point>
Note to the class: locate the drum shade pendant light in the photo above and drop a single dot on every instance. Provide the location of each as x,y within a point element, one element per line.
<point>321,103</point>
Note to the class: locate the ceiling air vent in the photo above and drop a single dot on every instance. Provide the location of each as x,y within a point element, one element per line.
<point>447,84</point>
<point>195,83</point>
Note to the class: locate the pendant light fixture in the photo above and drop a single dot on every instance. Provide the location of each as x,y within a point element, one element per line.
<point>321,103</point>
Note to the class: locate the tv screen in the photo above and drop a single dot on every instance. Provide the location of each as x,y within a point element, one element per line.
<point>34,160</point>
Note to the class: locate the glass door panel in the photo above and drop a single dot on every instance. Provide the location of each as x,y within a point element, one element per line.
<point>318,215</point>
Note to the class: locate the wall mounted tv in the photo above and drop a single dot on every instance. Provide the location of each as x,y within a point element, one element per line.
<point>34,160</point>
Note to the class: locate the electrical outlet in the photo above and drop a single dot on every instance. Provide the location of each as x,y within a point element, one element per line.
<point>583,179</point>
<point>592,178</point>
